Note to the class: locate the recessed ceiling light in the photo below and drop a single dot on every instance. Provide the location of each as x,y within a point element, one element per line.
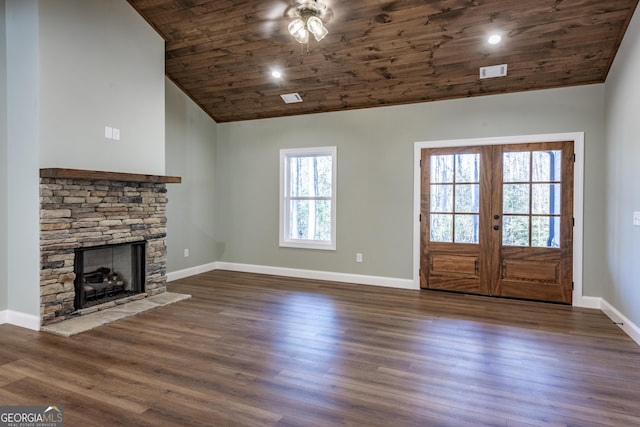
<point>494,39</point>
<point>276,74</point>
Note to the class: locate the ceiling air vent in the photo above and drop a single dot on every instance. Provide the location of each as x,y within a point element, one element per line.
<point>291,98</point>
<point>493,71</point>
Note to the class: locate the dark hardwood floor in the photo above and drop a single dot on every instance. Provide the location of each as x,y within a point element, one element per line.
<point>251,350</point>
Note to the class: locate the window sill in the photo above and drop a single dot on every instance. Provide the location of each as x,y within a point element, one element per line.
<point>307,244</point>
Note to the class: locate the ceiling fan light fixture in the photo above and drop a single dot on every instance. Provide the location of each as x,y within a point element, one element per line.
<point>302,36</point>
<point>308,16</point>
<point>295,26</point>
<point>317,28</point>
<point>298,30</point>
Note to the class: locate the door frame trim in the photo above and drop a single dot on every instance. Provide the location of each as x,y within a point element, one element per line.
<point>578,299</point>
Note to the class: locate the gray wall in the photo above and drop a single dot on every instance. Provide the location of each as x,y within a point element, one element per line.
<point>102,65</point>
<point>22,157</point>
<point>375,175</point>
<point>3,161</point>
<point>73,66</point>
<point>190,153</point>
<point>622,239</point>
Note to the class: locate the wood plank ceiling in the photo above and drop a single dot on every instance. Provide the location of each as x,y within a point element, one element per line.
<point>380,52</point>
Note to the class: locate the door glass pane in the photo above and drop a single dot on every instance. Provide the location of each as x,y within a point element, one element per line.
<point>515,166</point>
<point>455,189</point>
<point>546,199</point>
<point>466,228</point>
<point>467,167</point>
<point>441,198</point>
<point>467,198</point>
<point>515,199</point>
<point>515,230</point>
<point>545,231</point>
<point>441,228</point>
<point>441,169</point>
<point>546,166</point>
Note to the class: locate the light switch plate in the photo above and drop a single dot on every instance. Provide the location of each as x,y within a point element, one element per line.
<point>636,219</point>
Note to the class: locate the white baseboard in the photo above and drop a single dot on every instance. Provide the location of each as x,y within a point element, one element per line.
<point>294,272</point>
<point>181,274</point>
<point>588,302</point>
<point>621,320</point>
<point>612,313</point>
<point>23,320</point>
<point>319,275</point>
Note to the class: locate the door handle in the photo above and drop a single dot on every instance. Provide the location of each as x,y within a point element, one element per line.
<point>496,217</point>
<point>496,227</point>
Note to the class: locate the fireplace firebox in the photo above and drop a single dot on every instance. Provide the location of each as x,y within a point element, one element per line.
<point>108,273</point>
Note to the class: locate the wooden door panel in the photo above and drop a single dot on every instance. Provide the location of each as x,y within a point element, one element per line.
<point>531,264</point>
<point>454,264</point>
<point>543,277</point>
<point>451,268</point>
<point>454,272</point>
<point>531,271</point>
<point>539,291</point>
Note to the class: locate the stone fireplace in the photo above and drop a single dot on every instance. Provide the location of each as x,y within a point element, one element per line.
<point>89,215</point>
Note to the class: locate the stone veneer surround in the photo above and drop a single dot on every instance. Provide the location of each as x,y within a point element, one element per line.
<point>80,209</point>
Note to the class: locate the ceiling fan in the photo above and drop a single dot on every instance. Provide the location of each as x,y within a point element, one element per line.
<point>297,19</point>
<point>308,17</point>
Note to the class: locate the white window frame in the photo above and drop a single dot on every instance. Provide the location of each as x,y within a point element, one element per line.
<point>285,199</point>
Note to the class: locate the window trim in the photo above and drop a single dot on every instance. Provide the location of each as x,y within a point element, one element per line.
<point>285,154</point>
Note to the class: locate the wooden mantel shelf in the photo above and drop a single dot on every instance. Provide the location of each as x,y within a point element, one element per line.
<point>107,176</point>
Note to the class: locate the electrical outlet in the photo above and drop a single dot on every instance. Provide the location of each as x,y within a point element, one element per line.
<point>358,257</point>
<point>116,134</point>
<point>186,253</point>
<point>636,219</point>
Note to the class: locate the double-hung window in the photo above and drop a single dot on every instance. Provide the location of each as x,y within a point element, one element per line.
<point>308,198</point>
